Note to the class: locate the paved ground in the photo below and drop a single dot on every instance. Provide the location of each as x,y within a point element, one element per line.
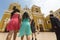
<point>40,36</point>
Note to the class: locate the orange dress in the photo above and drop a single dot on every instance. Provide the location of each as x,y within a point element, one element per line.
<point>14,23</point>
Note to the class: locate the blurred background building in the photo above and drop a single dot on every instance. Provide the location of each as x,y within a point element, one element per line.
<point>41,23</point>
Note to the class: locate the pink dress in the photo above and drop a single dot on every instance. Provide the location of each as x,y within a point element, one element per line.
<point>14,23</point>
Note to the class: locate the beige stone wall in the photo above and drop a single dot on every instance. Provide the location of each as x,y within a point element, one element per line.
<point>5,16</point>
<point>57,13</point>
<point>48,22</point>
<point>38,17</point>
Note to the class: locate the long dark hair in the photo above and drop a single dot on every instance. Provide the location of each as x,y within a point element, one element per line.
<point>25,15</point>
<point>14,11</point>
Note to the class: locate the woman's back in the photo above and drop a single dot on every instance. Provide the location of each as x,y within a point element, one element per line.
<point>25,20</point>
<point>15,16</point>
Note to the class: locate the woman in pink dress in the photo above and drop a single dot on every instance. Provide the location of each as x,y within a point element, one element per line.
<point>14,24</point>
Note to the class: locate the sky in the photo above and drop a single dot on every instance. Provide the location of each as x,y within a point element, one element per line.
<point>45,5</point>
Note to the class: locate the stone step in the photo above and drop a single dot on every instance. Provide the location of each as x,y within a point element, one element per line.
<point>40,36</point>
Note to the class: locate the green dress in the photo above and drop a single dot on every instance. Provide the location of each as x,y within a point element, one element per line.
<point>25,28</point>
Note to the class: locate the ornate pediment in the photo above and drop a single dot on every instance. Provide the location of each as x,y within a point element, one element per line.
<point>35,9</point>
<point>14,5</point>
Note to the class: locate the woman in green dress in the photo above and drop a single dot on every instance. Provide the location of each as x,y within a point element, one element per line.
<point>25,27</point>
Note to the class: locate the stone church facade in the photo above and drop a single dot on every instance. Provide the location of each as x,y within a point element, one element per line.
<point>34,13</point>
